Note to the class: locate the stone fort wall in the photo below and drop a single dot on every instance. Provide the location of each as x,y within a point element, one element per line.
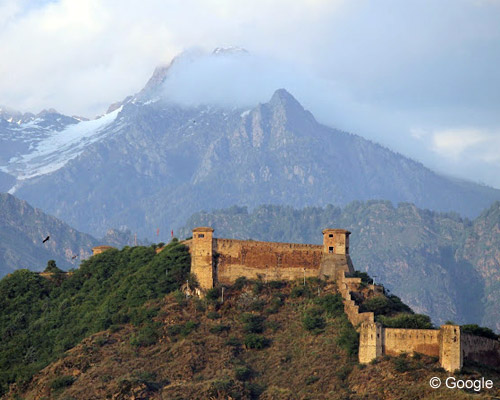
<point>480,349</point>
<point>221,261</point>
<point>270,261</point>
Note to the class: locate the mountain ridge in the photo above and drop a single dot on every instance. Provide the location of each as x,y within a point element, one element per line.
<point>23,228</point>
<point>179,159</point>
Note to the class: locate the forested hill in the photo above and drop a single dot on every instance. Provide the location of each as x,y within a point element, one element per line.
<point>41,318</point>
<point>440,264</point>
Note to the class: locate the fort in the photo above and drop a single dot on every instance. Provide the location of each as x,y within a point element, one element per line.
<point>216,261</point>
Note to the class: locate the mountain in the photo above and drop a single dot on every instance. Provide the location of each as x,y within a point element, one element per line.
<point>440,264</point>
<point>150,163</point>
<point>23,228</point>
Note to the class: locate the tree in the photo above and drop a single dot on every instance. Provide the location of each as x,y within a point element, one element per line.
<point>52,267</point>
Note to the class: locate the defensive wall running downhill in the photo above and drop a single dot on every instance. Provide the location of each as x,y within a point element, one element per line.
<point>217,261</point>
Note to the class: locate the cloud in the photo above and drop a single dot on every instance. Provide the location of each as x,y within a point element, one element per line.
<point>453,142</point>
<point>378,69</point>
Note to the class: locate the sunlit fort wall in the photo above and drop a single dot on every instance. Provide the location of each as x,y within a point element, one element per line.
<point>216,261</point>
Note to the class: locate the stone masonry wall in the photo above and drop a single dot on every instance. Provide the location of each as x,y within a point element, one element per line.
<point>397,341</point>
<point>270,260</point>
<point>480,349</point>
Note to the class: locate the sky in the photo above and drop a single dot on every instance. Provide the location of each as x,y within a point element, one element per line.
<point>420,77</point>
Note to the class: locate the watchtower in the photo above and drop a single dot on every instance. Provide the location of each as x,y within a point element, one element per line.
<point>336,241</point>
<point>202,256</point>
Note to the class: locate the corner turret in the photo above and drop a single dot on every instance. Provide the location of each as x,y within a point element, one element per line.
<point>336,241</point>
<point>202,256</point>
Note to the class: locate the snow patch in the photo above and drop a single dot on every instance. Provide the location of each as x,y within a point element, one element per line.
<point>55,150</point>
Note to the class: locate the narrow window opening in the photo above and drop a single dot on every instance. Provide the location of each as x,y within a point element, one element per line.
<point>201,235</point>
<point>330,249</point>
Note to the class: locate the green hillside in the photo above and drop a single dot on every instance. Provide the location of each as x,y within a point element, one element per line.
<point>41,318</point>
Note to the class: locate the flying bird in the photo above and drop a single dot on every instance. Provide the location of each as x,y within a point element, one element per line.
<point>47,238</point>
<point>74,256</point>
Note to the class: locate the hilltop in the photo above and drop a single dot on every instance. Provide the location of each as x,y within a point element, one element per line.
<point>440,264</point>
<point>120,327</point>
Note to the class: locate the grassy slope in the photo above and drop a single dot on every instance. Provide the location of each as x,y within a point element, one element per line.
<point>184,355</point>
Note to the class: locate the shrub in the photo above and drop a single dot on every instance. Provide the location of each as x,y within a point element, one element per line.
<point>343,372</point>
<point>62,382</point>
<point>257,287</point>
<point>477,330</point>
<point>216,329</point>
<point>255,389</point>
<point>252,323</point>
<point>406,321</point>
<point>100,341</point>
<point>401,364</point>
<point>240,283</point>
<point>311,379</point>
<point>221,387</point>
<point>382,305</point>
<point>212,294</point>
<point>242,373</point>
<point>297,291</point>
<point>213,315</point>
<point>53,268</point>
<point>348,339</point>
<point>254,341</point>
<point>313,321</point>
<point>276,284</point>
<point>180,297</point>
<point>182,329</point>
<point>331,304</point>
<point>233,341</point>
<point>146,336</point>
<point>257,305</point>
<point>365,278</point>
<point>189,326</point>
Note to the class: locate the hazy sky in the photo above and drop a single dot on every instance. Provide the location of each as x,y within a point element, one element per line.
<point>420,77</point>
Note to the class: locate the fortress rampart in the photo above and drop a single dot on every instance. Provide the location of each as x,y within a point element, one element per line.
<point>217,261</point>
<point>222,261</point>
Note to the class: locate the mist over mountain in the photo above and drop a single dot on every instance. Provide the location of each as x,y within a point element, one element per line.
<point>440,264</point>
<point>153,160</point>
